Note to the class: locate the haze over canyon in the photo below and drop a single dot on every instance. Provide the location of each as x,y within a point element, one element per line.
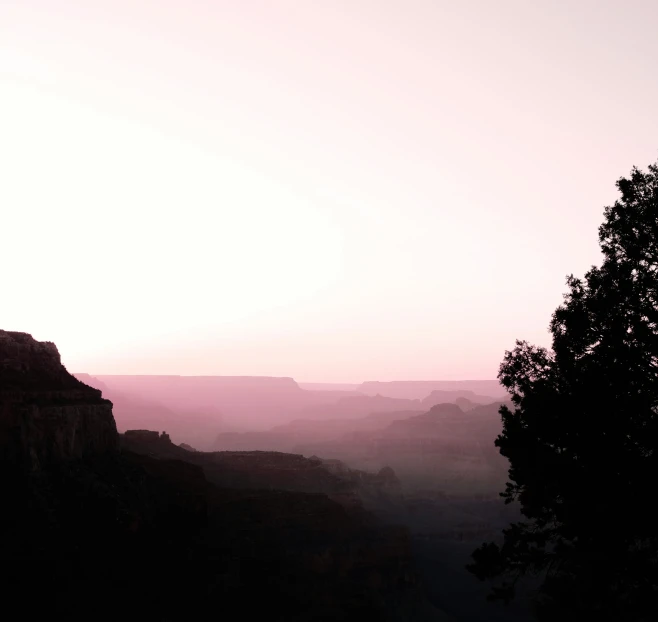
<point>317,311</point>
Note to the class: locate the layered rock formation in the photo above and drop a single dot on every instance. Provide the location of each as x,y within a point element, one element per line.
<point>301,432</point>
<point>245,402</point>
<point>153,531</point>
<point>445,448</point>
<point>184,424</point>
<point>46,415</point>
<point>306,515</point>
<point>272,470</point>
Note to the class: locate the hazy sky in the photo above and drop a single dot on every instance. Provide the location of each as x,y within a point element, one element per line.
<point>333,190</point>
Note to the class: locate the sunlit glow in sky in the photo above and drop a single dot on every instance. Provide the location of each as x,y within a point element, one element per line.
<point>334,191</point>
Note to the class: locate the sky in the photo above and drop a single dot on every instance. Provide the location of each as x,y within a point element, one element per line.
<point>339,190</point>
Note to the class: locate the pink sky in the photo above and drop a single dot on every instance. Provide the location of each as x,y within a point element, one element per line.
<point>334,191</point>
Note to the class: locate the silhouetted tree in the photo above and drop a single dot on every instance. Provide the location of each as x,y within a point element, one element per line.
<point>582,435</point>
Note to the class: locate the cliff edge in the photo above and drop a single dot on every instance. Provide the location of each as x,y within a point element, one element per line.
<point>47,415</point>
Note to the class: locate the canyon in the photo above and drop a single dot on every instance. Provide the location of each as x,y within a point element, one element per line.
<point>140,528</point>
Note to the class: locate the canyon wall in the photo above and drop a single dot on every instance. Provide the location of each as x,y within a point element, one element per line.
<point>47,415</point>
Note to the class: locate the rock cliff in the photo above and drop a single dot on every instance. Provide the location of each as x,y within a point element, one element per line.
<point>271,470</point>
<point>47,415</point>
<point>306,515</point>
<point>98,531</point>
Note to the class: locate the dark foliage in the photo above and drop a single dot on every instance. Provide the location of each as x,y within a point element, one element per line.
<point>582,435</point>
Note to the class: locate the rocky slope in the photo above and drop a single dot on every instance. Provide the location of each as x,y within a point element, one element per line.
<point>271,470</point>
<point>443,449</point>
<point>337,549</point>
<point>98,531</point>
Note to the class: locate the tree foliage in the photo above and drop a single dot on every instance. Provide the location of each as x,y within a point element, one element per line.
<point>582,434</point>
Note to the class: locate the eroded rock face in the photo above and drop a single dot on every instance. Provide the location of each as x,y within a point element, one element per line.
<point>47,415</point>
<point>148,535</point>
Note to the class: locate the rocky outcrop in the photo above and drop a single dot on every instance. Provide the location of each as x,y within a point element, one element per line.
<point>98,531</point>
<point>256,470</point>
<point>272,470</point>
<point>132,412</point>
<point>146,436</point>
<point>305,515</point>
<point>46,415</point>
